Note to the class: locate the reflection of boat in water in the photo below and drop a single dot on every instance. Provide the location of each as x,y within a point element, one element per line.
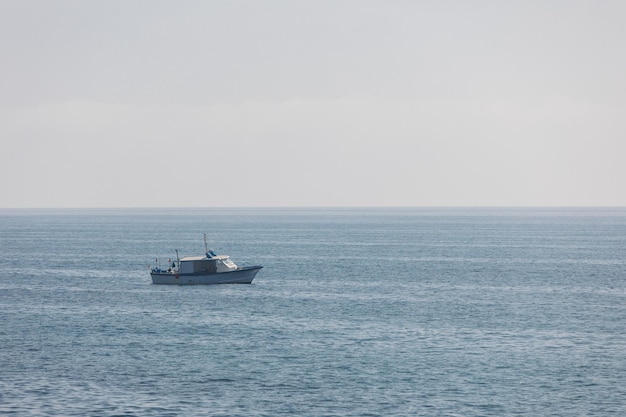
<point>203,270</point>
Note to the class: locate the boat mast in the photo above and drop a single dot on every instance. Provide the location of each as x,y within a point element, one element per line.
<point>206,247</point>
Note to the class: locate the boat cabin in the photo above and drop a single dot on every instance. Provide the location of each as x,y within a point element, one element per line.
<point>209,264</point>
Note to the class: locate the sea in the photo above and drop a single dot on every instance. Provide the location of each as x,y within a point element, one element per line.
<point>357,312</point>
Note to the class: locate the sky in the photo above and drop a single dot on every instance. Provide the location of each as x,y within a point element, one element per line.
<point>144,103</point>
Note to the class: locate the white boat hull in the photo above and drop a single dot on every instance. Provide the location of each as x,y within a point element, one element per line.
<point>243,275</point>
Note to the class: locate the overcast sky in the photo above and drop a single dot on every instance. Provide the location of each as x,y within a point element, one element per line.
<point>312,103</point>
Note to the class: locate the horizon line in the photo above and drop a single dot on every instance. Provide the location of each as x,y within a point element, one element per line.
<point>547,206</point>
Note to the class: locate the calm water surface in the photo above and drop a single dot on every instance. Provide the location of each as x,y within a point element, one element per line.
<point>432,312</point>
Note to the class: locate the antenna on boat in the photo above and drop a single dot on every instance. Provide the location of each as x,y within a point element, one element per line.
<point>206,247</point>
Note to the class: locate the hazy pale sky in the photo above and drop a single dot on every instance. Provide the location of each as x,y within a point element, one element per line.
<point>312,103</point>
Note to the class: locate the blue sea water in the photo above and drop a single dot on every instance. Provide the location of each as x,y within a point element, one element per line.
<point>358,312</point>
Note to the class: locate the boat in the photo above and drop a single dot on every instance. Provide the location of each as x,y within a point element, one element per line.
<point>203,270</point>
